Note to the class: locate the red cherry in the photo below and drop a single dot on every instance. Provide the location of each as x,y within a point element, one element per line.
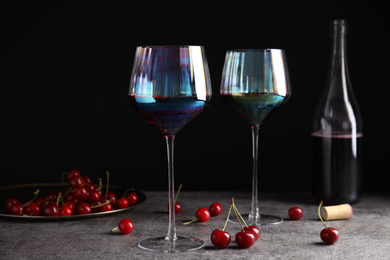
<point>94,195</point>
<point>106,207</point>
<point>122,203</point>
<point>245,239</point>
<point>83,208</point>
<point>254,230</point>
<point>87,179</point>
<point>66,211</point>
<point>70,205</point>
<point>16,209</point>
<point>215,209</point>
<point>9,203</point>
<point>81,193</point>
<point>132,197</point>
<point>51,210</point>
<point>329,235</point>
<point>220,239</point>
<point>40,201</point>
<point>111,197</point>
<point>295,213</point>
<point>32,209</point>
<point>76,181</point>
<point>177,207</point>
<point>126,226</point>
<point>202,214</point>
<point>71,174</point>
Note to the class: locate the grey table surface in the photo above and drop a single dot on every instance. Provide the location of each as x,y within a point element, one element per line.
<point>365,236</point>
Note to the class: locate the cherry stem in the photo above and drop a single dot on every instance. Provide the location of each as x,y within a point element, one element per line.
<point>63,175</point>
<point>127,192</point>
<point>189,222</point>
<point>319,214</point>
<point>96,206</point>
<point>227,219</point>
<point>100,184</point>
<point>236,210</point>
<point>108,183</point>
<point>59,198</point>
<point>36,193</point>
<point>177,193</point>
<point>114,230</point>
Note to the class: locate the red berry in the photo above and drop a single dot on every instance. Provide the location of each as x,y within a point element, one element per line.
<point>16,209</point>
<point>76,181</point>
<point>70,205</point>
<point>66,211</point>
<point>71,174</point>
<point>87,179</point>
<point>126,226</point>
<point>254,230</point>
<point>83,208</point>
<point>81,193</point>
<point>32,209</point>
<point>122,203</point>
<point>177,207</point>
<point>329,235</point>
<point>9,203</point>
<point>202,214</point>
<point>295,213</point>
<point>94,195</point>
<point>51,210</point>
<point>111,197</point>
<point>220,239</point>
<point>106,207</point>
<point>245,239</point>
<point>215,209</point>
<point>132,197</point>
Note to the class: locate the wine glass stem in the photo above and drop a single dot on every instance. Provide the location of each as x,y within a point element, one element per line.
<point>255,157</point>
<point>171,235</point>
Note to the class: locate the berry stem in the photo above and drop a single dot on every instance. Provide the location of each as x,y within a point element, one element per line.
<point>127,192</point>
<point>100,184</point>
<point>114,230</point>
<point>319,214</point>
<point>36,193</point>
<point>235,212</point>
<point>189,222</point>
<point>230,209</point>
<point>108,184</point>
<point>99,205</point>
<point>177,193</point>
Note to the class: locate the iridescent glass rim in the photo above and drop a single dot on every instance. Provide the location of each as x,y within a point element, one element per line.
<point>255,50</point>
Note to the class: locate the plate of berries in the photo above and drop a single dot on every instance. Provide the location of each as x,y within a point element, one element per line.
<point>74,198</point>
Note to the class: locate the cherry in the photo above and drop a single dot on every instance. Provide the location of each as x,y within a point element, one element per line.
<point>254,230</point>
<point>132,197</point>
<point>177,204</point>
<point>111,197</point>
<point>9,203</point>
<point>95,195</point>
<point>76,181</point>
<point>16,209</point>
<point>202,215</point>
<point>329,235</point>
<point>87,179</point>
<point>177,207</point>
<point>81,193</point>
<point>66,211</point>
<point>220,238</point>
<point>215,209</point>
<point>83,208</point>
<point>122,203</point>
<point>51,210</point>
<point>245,239</point>
<point>70,205</point>
<point>125,226</point>
<point>295,213</point>
<point>105,207</point>
<point>32,209</point>
<point>71,174</point>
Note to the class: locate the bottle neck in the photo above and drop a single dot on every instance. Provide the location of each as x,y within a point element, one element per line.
<point>339,55</point>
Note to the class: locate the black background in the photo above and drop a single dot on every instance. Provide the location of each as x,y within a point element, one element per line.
<point>66,70</point>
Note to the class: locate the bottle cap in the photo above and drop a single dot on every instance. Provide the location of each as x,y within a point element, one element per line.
<point>343,211</point>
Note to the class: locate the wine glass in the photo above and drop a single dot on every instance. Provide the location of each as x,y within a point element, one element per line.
<point>169,86</point>
<point>254,83</point>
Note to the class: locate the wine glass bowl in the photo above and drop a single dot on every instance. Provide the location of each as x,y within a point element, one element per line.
<point>254,83</point>
<point>169,86</point>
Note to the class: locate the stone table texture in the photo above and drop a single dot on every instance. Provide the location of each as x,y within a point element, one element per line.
<point>365,236</point>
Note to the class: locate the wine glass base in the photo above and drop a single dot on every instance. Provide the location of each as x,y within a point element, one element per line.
<point>261,220</point>
<point>163,245</point>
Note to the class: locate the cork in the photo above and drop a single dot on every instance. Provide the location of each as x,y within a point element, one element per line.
<point>343,211</point>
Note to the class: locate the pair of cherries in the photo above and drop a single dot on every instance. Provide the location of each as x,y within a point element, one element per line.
<point>244,239</point>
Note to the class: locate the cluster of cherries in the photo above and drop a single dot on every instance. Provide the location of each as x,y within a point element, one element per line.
<point>244,239</point>
<point>82,197</point>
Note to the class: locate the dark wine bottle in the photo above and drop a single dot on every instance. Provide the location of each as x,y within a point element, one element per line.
<point>337,132</point>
